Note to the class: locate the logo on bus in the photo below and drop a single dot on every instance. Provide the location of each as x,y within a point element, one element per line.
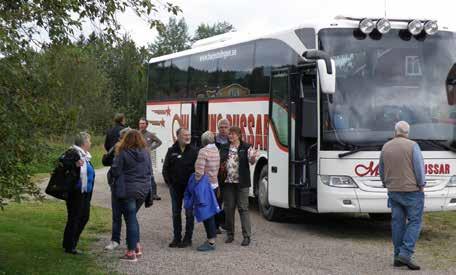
<point>372,169</point>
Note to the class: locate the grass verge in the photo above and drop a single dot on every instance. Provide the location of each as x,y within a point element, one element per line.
<point>31,236</point>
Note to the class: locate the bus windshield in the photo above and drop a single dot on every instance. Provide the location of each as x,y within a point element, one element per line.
<point>384,79</point>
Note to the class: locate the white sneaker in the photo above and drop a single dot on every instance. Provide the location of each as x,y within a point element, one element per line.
<point>112,245</point>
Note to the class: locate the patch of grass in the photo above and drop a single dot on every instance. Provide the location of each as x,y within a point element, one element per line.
<point>31,239</point>
<point>53,149</point>
<point>438,238</point>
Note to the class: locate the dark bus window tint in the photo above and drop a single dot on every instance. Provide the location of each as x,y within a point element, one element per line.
<point>203,77</point>
<point>179,77</point>
<point>235,66</point>
<point>152,82</point>
<point>270,54</point>
<point>163,79</point>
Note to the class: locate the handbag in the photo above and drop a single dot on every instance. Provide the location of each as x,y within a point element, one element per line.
<point>60,183</point>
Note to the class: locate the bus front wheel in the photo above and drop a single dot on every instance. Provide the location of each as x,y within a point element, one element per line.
<point>268,211</point>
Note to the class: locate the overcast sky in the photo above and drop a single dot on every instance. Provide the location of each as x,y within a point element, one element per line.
<point>251,15</point>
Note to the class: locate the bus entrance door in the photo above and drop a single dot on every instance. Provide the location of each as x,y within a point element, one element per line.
<point>303,138</point>
<point>200,121</point>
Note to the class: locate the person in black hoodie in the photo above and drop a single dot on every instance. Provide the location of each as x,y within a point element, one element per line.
<point>178,167</point>
<point>132,171</point>
<point>113,134</point>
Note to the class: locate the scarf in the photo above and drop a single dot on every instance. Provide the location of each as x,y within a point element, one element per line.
<point>85,156</point>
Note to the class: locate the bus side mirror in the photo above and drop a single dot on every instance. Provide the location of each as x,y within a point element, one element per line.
<point>326,70</point>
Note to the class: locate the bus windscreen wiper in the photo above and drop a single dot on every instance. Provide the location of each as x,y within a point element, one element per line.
<point>436,144</point>
<point>359,149</point>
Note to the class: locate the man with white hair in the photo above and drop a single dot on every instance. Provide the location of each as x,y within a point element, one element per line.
<point>402,173</point>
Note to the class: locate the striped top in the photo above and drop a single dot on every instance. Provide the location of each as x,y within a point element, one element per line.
<point>208,163</point>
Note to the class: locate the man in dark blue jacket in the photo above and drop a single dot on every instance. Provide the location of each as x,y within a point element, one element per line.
<point>178,166</point>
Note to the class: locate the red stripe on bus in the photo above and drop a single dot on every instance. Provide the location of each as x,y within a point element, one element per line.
<point>242,99</point>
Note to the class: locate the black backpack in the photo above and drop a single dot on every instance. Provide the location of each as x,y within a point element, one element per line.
<point>65,175</point>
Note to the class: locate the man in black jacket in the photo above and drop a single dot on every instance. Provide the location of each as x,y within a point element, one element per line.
<point>178,166</point>
<point>113,134</point>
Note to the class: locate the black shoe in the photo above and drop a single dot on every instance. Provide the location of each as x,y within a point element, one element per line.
<point>156,198</point>
<point>397,263</point>
<point>175,243</point>
<point>246,241</point>
<point>408,262</point>
<point>185,243</point>
<point>229,239</point>
<point>73,251</point>
<point>218,231</point>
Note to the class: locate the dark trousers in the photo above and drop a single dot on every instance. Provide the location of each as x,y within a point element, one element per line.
<point>236,197</point>
<point>153,186</point>
<point>116,218</point>
<point>210,226</point>
<point>220,216</point>
<point>177,197</point>
<point>78,213</point>
<point>129,208</point>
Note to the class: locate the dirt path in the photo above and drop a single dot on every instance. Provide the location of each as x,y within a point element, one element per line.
<point>305,244</point>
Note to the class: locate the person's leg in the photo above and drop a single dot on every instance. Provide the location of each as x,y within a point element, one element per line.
<point>211,232</point>
<point>74,215</point>
<point>84,216</point>
<point>129,212</point>
<point>116,218</point>
<point>220,216</point>
<point>139,203</point>
<point>176,212</point>
<point>230,205</point>
<point>243,208</point>
<point>414,211</point>
<point>397,221</point>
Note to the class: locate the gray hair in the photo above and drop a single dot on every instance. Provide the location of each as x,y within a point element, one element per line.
<point>81,138</point>
<point>124,131</point>
<point>223,121</point>
<point>402,128</point>
<point>207,138</point>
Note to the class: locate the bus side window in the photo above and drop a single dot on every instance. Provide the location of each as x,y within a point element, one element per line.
<point>451,86</point>
<point>309,104</point>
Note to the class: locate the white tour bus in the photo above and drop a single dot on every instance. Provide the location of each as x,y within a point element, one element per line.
<point>319,101</point>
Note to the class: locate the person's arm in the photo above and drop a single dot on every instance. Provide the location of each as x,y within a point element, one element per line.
<point>418,166</point>
<point>106,143</point>
<point>252,155</point>
<point>200,164</point>
<point>166,167</point>
<point>117,165</point>
<point>70,160</point>
<point>381,169</point>
<point>156,142</point>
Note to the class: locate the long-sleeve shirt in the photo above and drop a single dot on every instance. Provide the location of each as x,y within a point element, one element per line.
<point>417,165</point>
<point>153,142</point>
<point>208,162</point>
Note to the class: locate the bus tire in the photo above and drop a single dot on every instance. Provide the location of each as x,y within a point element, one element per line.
<point>383,217</point>
<point>269,212</point>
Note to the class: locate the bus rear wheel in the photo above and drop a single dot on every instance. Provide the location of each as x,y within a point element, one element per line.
<point>268,211</point>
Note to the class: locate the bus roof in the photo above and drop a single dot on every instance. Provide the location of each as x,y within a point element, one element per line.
<point>234,38</point>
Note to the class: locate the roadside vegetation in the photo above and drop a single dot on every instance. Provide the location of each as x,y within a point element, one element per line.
<point>31,235</point>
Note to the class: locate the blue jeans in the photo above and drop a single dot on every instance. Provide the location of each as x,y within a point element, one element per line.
<point>177,198</point>
<point>129,209</point>
<point>406,219</point>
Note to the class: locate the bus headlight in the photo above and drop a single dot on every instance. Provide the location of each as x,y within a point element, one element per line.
<point>452,182</point>
<point>415,27</point>
<point>366,25</point>
<point>383,26</point>
<point>431,27</point>
<point>339,181</point>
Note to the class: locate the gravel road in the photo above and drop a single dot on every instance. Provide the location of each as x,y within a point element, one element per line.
<point>302,244</point>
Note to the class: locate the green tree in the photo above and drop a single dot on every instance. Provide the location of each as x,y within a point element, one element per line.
<point>172,38</point>
<point>207,30</point>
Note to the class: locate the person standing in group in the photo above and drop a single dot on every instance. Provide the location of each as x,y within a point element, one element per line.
<point>78,201</point>
<point>401,170</point>
<point>132,171</point>
<point>223,126</point>
<point>108,160</point>
<point>153,142</point>
<point>208,162</point>
<point>112,135</point>
<point>237,156</point>
<point>178,166</point>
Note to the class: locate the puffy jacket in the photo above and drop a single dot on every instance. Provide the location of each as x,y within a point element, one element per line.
<point>200,197</point>
<point>244,166</point>
<point>132,172</point>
